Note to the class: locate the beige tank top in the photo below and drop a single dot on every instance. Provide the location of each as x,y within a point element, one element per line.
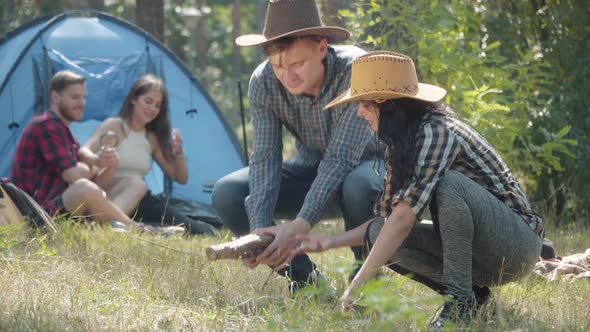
<point>135,154</point>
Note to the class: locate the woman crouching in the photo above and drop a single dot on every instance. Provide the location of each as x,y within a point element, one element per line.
<point>484,231</point>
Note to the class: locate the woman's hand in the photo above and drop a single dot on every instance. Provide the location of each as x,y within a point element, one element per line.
<point>313,243</point>
<point>347,300</point>
<point>177,148</point>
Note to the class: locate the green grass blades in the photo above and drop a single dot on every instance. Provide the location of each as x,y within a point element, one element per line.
<point>91,278</point>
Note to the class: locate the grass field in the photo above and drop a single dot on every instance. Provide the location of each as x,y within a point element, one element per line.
<point>96,279</point>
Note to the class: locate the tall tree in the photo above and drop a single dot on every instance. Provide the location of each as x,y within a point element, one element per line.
<point>8,15</point>
<point>329,10</point>
<point>236,58</point>
<point>96,5</point>
<point>149,15</point>
<point>260,17</point>
<point>176,40</point>
<point>46,7</point>
<point>201,44</point>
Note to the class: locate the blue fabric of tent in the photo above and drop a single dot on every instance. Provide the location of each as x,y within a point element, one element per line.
<point>111,54</point>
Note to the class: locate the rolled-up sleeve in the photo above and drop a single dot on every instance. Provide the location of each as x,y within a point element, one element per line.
<point>437,148</point>
<point>343,154</point>
<point>54,150</point>
<point>266,161</point>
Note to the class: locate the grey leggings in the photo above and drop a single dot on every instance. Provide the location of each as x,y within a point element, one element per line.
<point>481,242</point>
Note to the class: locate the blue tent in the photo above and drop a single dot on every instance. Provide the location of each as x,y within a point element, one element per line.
<point>111,54</point>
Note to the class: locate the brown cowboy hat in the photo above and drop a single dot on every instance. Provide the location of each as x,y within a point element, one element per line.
<point>292,18</point>
<point>383,75</point>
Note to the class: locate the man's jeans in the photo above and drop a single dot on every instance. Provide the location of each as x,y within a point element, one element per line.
<point>354,201</point>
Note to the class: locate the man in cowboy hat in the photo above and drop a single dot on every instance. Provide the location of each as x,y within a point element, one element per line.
<point>333,173</point>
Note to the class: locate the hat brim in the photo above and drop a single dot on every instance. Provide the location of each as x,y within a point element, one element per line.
<point>333,34</point>
<point>426,92</point>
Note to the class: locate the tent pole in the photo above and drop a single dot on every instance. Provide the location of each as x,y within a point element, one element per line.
<point>243,124</point>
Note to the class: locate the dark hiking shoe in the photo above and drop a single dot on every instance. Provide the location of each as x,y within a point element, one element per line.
<point>482,296</point>
<point>315,278</point>
<point>485,304</point>
<point>455,311</point>
<point>200,227</point>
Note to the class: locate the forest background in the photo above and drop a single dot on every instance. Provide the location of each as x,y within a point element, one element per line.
<point>518,71</point>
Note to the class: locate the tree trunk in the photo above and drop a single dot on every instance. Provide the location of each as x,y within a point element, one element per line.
<point>96,5</point>
<point>45,7</point>
<point>261,6</point>
<point>178,42</point>
<point>8,15</point>
<point>329,11</point>
<point>201,45</point>
<point>149,15</point>
<point>236,57</point>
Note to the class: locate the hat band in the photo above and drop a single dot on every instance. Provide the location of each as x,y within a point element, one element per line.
<point>409,89</point>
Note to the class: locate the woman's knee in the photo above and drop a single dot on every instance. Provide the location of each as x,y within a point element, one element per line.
<point>450,190</point>
<point>451,201</point>
<point>450,183</point>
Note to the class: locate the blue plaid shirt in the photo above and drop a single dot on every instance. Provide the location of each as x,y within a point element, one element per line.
<point>333,140</point>
<point>446,143</point>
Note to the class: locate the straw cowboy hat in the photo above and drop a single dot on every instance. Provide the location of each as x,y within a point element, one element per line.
<point>386,75</point>
<point>292,18</point>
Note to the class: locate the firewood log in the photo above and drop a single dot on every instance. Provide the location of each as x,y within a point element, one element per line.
<point>248,246</point>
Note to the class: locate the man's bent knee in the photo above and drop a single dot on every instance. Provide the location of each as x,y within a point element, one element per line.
<point>227,193</point>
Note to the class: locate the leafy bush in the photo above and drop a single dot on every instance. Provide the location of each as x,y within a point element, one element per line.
<point>499,75</point>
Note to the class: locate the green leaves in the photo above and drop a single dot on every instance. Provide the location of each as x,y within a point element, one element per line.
<point>510,70</point>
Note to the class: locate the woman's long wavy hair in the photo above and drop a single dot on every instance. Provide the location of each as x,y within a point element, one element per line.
<point>399,121</point>
<point>160,125</point>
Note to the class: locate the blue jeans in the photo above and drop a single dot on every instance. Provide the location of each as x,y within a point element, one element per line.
<point>354,201</point>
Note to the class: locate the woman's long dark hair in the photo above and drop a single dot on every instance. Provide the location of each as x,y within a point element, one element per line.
<point>160,125</point>
<point>399,121</point>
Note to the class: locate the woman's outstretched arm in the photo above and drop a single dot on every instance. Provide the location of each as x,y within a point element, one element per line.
<point>394,232</point>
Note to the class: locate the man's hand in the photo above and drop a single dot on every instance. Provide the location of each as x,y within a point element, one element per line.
<point>278,253</point>
<point>251,262</point>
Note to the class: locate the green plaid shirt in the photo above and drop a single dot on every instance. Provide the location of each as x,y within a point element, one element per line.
<point>445,143</point>
<point>333,140</point>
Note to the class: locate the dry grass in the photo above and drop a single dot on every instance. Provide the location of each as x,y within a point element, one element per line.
<point>95,279</point>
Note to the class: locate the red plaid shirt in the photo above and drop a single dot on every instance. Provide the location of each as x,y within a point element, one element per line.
<point>46,149</point>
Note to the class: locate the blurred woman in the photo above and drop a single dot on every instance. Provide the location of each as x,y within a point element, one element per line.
<point>139,134</point>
